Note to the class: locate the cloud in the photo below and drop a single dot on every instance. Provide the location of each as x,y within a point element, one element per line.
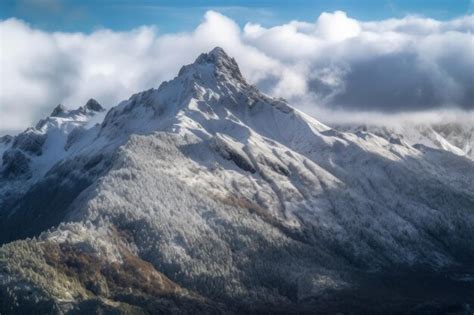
<point>408,64</point>
<point>330,67</point>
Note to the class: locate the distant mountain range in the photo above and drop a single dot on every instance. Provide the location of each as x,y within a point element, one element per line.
<point>206,196</point>
<point>455,137</point>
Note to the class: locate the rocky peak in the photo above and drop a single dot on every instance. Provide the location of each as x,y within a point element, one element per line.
<point>223,66</point>
<point>216,56</point>
<point>93,105</point>
<point>58,111</point>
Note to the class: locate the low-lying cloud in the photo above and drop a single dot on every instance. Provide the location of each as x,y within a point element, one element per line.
<point>335,67</point>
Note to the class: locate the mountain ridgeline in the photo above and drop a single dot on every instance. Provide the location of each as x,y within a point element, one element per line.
<point>207,196</point>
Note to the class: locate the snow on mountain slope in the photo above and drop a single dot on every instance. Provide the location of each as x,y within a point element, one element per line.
<point>459,135</point>
<point>47,143</point>
<point>457,138</point>
<point>222,199</point>
<point>27,157</point>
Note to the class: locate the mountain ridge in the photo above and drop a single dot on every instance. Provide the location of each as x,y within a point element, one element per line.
<point>452,137</point>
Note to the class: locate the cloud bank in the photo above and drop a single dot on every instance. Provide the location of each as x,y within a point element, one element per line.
<point>335,67</point>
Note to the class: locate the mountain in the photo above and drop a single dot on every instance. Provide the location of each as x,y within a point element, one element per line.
<point>206,196</point>
<point>48,142</point>
<point>455,137</point>
<point>27,158</point>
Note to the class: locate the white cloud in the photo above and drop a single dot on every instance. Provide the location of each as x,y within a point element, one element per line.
<point>337,26</point>
<point>333,65</point>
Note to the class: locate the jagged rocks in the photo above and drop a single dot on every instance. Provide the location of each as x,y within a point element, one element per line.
<point>231,151</point>
<point>15,164</point>
<point>93,105</point>
<point>30,141</point>
<point>7,139</point>
<point>59,111</point>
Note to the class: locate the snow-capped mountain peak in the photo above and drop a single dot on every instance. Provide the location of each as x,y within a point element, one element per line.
<point>210,89</point>
<point>89,109</point>
<point>31,153</point>
<point>213,69</point>
<point>225,67</point>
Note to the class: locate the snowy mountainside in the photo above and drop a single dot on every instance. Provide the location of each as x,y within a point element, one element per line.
<point>459,135</point>
<point>219,198</point>
<point>28,156</point>
<point>48,141</point>
<point>454,137</point>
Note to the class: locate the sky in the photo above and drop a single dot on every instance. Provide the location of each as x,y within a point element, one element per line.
<point>337,60</point>
<point>178,16</point>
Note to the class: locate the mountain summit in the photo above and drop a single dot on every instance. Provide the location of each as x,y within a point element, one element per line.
<point>207,196</point>
<point>225,66</point>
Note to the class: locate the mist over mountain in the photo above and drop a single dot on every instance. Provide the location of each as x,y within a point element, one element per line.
<point>205,195</point>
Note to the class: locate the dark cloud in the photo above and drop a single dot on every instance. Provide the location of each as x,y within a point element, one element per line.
<point>397,82</point>
<point>390,66</point>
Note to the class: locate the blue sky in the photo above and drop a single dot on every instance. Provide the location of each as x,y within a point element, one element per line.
<point>177,16</point>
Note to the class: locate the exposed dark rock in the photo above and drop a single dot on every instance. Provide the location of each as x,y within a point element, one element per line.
<point>93,105</point>
<point>73,136</point>
<point>58,111</point>
<point>6,139</point>
<point>15,163</point>
<point>30,141</point>
<point>228,153</point>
